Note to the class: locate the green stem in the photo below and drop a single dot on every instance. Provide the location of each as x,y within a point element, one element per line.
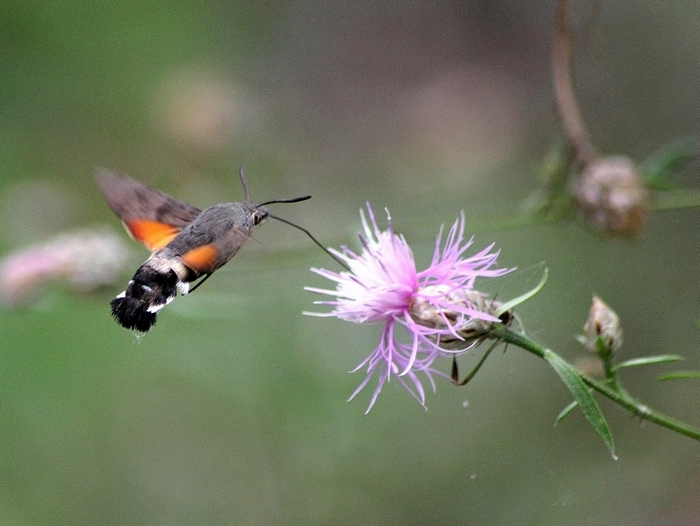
<point>611,379</point>
<point>619,397</point>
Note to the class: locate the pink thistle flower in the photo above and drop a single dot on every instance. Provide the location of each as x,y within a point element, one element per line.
<point>86,259</point>
<point>436,307</point>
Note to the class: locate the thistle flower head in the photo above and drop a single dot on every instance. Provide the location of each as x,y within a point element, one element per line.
<point>85,259</point>
<point>426,314</point>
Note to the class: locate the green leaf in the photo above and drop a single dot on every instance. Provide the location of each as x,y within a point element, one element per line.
<point>659,168</point>
<point>680,375</point>
<point>572,379</point>
<point>649,360</point>
<point>524,297</point>
<point>566,411</point>
<point>552,200</point>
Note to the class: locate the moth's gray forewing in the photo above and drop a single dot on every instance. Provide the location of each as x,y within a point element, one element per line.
<point>131,200</point>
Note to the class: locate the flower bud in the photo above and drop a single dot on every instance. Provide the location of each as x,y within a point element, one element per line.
<point>603,324</point>
<point>610,194</point>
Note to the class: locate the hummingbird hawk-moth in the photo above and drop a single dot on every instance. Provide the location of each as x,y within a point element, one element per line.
<point>186,243</point>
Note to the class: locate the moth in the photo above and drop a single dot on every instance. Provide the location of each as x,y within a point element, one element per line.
<point>186,243</point>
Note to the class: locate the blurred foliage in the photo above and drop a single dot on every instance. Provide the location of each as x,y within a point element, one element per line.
<point>232,410</point>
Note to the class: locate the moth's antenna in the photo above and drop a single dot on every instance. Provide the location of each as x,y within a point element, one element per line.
<point>245,183</point>
<point>340,261</point>
<point>293,200</point>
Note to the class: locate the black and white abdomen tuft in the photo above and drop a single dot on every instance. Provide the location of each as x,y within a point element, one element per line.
<point>149,290</point>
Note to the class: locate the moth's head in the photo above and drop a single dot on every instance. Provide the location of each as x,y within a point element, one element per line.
<point>257,213</point>
<point>260,214</point>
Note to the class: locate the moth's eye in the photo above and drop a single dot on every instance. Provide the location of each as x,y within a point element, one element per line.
<point>259,216</point>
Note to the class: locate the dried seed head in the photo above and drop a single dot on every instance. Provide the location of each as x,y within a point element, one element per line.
<point>604,324</point>
<point>610,194</point>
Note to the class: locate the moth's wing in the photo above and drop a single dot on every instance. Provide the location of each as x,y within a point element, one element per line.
<point>149,215</point>
<point>202,259</point>
<point>216,237</point>
<point>206,258</point>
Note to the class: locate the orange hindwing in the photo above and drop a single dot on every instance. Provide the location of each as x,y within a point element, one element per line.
<point>153,234</point>
<point>202,259</point>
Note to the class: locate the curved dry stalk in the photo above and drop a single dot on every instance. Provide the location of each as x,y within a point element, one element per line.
<point>566,101</point>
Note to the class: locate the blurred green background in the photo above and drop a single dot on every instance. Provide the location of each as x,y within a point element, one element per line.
<point>233,409</point>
